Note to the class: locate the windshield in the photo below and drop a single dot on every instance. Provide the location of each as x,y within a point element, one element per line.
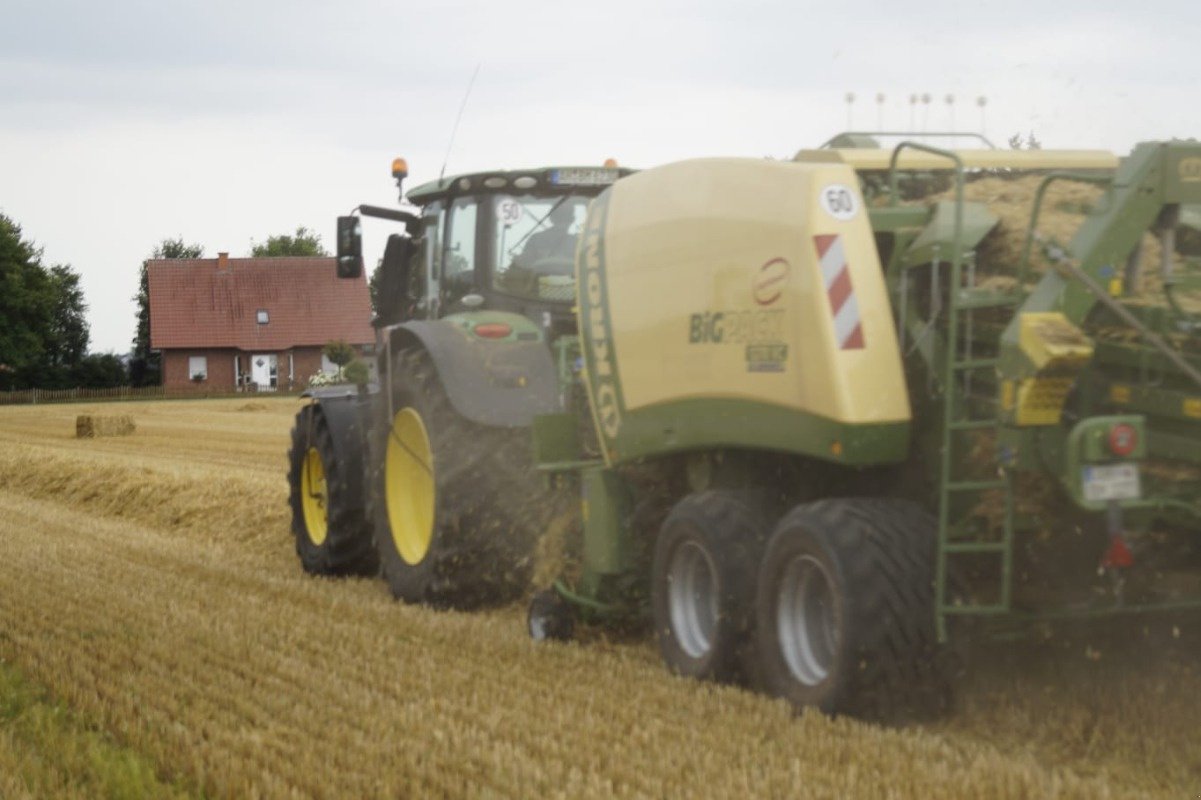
<point>535,245</point>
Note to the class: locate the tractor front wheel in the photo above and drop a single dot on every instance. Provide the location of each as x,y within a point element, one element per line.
<point>329,523</point>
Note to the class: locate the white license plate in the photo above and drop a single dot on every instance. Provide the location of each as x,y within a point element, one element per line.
<point>1111,482</point>
<point>583,176</point>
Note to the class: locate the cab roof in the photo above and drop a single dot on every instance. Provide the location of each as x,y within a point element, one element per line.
<point>590,179</point>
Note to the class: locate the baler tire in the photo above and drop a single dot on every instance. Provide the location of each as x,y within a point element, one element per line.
<point>485,505</point>
<point>869,649</point>
<point>702,585</point>
<point>345,546</point>
<point>550,617</point>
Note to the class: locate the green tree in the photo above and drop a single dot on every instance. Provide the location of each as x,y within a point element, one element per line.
<point>144,367</point>
<point>24,309</point>
<point>43,330</point>
<point>357,373</point>
<point>65,336</point>
<point>340,353</point>
<point>375,287</point>
<point>100,371</point>
<point>68,340</point>
<point>1030,142</point>
<point>304,243</point>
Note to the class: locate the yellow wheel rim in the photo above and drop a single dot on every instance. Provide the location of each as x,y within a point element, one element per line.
<point>314,497</point>
<point>409,486</point>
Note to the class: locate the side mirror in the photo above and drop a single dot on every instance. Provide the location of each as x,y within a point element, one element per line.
<point>350,247</point>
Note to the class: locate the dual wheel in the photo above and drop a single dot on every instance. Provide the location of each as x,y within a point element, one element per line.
<point>834,609</point>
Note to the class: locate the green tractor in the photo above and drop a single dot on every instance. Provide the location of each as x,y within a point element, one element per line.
<point>428,476</point>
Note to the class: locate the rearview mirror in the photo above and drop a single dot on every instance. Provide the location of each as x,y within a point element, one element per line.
<point>350,247</point>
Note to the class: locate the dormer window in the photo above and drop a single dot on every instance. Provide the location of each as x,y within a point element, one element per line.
<point>262,316</point>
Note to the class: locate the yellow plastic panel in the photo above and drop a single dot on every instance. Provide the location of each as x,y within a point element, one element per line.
<point>1040,400</point>
<point>716,289</point>
<point>1049,340</point>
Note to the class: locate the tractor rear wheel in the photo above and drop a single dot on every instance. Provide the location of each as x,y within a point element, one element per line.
<point>845,610</point>
<point>702,585</point>
<point>455,504</point>
<point>328,517</point>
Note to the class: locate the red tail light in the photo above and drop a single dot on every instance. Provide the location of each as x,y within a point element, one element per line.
<point>1123,439</point>
<point>493,330</point>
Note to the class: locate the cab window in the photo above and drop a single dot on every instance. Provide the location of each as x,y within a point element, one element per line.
<point>458,257</point>
<point>433,217</point>
<point>535,243</point>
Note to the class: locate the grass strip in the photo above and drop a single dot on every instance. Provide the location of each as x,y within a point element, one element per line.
<point>47,751</point>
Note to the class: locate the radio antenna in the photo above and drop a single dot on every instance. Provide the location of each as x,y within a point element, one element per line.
<point>458,119</point>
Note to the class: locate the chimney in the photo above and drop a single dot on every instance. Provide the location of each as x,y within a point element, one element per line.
<point>222,262</point>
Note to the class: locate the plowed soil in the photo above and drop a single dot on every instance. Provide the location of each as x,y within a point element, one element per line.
<point>149,583</point>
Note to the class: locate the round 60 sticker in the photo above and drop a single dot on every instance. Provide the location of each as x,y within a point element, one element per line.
<point>839,201</point>
<point>508,211</point>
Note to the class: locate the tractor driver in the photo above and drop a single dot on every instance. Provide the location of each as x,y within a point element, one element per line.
<point>553,243</point>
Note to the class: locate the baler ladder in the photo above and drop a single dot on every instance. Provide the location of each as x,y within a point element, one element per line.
<point>960,532</point>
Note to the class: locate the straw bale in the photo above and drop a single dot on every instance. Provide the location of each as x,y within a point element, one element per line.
<point>91,426</point>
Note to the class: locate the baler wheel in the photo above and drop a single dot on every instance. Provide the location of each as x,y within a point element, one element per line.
<point>550,617</point>
<point>328,517</point>
<point>456,505</point>
<point>702,585</point>
<point>845,610</point>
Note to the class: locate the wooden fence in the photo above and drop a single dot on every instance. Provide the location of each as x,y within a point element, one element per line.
<point>117,393</point>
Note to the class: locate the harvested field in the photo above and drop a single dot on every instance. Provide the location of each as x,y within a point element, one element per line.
<point>149,584</point>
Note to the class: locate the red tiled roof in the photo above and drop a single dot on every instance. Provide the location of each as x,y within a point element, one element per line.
<point>194,303</point>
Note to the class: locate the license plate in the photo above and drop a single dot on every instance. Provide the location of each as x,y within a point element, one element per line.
<point>583,176</point>
<point>1111,482</point>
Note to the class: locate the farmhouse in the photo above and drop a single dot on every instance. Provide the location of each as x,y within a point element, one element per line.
<point>252,323</point>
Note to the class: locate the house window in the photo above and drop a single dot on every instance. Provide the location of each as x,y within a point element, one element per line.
<point>198,368</point>
<point>327,366</point>
<point>261,315</point>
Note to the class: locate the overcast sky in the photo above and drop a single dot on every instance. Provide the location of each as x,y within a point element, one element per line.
<point>224,122</point>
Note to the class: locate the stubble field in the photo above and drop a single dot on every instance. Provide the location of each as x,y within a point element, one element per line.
<point>148,585</point>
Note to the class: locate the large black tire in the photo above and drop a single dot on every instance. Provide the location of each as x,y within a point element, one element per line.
<point>478,530</point>
<point>332,535</point>
<point>845,610</point>
<point>702,585</point>
<point>550,617</point>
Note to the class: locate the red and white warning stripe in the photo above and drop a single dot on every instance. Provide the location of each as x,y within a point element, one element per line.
<point>848,330</point>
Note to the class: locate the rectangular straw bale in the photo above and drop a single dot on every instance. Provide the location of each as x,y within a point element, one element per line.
<point>89,426</point>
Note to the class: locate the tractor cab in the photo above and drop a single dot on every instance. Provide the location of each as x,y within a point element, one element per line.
<point>495,241</point>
